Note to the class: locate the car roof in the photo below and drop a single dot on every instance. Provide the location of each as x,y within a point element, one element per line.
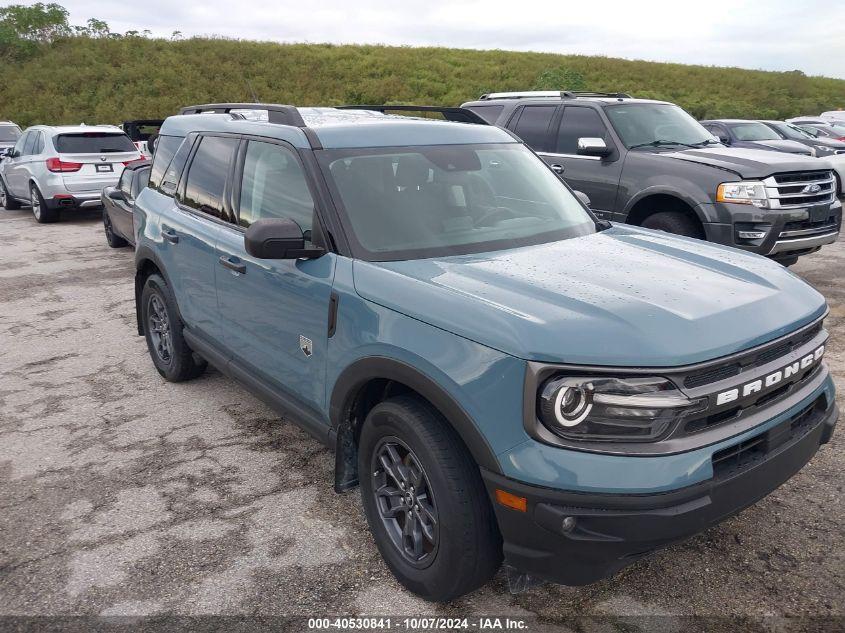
<point>733,121</point>
<point>139,164</point>
<point>79,129</point>
<point>341,129</point>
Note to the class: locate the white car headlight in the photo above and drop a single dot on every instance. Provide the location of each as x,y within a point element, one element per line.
<point>744,192</point>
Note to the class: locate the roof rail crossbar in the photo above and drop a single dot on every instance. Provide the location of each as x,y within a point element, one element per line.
<point>459,115</point>
<point>613,95</point>
<point>276,113</point>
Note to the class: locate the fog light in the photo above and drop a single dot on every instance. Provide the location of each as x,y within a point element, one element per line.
<point>568,524</point>
<point>751,235</point>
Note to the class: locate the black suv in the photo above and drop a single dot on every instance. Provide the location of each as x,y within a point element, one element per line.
<point>651,164</point>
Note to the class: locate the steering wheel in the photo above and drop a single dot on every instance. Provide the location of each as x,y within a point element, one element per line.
<point>497,213</point>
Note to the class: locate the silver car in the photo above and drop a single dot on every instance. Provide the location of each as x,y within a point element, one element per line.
<point>9,135</point>
<point>57,168</point>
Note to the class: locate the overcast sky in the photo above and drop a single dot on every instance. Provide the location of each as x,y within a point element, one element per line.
<point>807,35</point>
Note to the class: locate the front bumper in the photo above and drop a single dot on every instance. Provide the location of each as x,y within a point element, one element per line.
<point>788,232</point>
<point>611,531</point>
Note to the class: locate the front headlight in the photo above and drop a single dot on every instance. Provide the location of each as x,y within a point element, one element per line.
<point>605,408</point>
<point>744,192</point>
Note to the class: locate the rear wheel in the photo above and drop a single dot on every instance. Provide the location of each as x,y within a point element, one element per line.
<point>42,214</point>
<point>163,330</point>
<point>425,502</point>
<point>674,222</point>
<point>114,240</point>
<point>7,201</point>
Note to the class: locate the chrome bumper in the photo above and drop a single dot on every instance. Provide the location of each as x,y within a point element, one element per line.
<point>801,243</point>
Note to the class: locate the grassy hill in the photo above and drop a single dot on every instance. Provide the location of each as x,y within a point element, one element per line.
<point>99,80</point>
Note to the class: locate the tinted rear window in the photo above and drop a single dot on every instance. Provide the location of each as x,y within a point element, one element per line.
<point>93,143</point>
<point>9,133</point>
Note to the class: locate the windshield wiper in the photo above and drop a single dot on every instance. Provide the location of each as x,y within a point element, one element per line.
<point>661,143</point>
<point>707,142</point>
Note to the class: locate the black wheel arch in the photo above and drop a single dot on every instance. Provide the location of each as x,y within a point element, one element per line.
<point>657,199</point>
<point>146,263</point>
<point>376,378</point>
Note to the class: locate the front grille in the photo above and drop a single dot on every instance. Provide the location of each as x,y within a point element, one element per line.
<point>741,457</point>
<point>800,188</point>
<point>696,425</point>
<point>734,367</point>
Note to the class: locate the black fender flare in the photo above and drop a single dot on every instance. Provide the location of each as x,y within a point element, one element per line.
<point>655,190</point>
<point>362,371</point>
<point>146,254</point>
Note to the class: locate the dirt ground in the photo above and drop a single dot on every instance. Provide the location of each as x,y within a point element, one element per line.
<point>121,494</point>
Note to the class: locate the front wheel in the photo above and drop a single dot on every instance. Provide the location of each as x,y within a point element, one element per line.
<point>6,200</point>
<point>43,215</point>
<point>172,357</point>
<point>674,222</point>
<point>425,502</point>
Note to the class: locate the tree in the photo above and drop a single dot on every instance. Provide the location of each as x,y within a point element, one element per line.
<point>37,23</point>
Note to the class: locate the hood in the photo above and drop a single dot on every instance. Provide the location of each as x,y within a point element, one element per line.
<point>747,163</point>
<point>782,145</point>
<point>623,297</point>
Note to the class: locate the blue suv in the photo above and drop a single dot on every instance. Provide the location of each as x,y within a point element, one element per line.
<point>505,376</point>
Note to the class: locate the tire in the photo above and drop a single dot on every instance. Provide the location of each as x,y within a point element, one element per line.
<point>42,214</point>
<point>674,222</point>
<point>6,201</point>
<point>114,240</point>
<point>466,549</point>
<point>172,357</point>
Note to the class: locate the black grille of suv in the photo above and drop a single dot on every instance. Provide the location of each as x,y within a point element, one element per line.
<point>743,456</point>
<point>754,359</point>
<point>800,188</point>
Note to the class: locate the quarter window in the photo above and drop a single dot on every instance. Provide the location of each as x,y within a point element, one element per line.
<point>207,175</point>
<point>274,186</point>
<point>489,113</point>
<point>39,143</point>
<point>166,147</point>
<point>533,126</point>
<point>578,122</point>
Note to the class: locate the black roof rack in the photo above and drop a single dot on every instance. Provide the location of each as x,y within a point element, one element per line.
<point>459,115</point>
<point>558,94</point>
<point>276,113</point>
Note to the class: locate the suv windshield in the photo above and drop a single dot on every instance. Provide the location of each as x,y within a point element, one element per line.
<point>640,124</point>
<point>753,131</point>
<point>9,133</point>
<point>790,131</point>
<point>414,202</point>
<point>93,143</point>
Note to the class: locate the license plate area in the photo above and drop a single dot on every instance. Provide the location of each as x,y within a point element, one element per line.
<point>819,213</point>
<point>104,169</point>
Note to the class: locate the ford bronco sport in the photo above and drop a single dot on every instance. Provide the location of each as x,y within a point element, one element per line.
<point>431,301</point>
<point>651,164</point>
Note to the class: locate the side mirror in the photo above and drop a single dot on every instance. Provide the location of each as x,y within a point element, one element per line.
<point>589,146</point>
<point>278,238</point>
<point>724,140</point>
<point>10,153</point>
<point>583,197</point>
<point>116,194</point>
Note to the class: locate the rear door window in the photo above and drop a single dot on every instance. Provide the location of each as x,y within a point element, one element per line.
<point>532,126</point>
<point>142,179</point>
<point>578,122</point>
<point>125,183</point>
<point>93,143</point>
<point>207,175</point>
<point>29,143</point>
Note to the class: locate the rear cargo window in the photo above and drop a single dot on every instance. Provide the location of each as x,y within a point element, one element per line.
<point>9,133</point>
<point>93,143</point>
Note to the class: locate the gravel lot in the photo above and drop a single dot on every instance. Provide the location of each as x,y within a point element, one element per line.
<point>121,494</point>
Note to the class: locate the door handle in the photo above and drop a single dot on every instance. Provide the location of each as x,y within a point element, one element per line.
<point>557,168</point>
<point>170,236</point>
<point>238,267</point>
